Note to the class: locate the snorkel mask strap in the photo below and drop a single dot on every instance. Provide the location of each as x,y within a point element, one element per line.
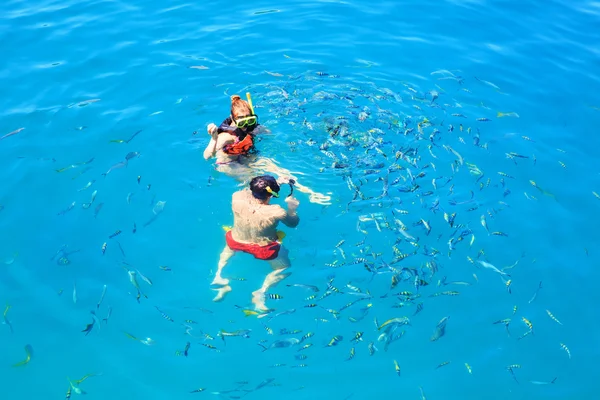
<point>249,98</point>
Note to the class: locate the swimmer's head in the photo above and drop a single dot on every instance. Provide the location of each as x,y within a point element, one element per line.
<point>264,186</point>
<point>239,107</point>
<point>243,114</point>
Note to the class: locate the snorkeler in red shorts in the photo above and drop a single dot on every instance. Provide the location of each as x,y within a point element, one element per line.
<point>255,232</point>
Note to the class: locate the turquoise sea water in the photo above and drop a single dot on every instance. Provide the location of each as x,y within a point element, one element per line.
<point>167,69</point>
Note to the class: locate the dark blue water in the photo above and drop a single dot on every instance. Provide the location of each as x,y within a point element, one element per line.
<point>168,69</point>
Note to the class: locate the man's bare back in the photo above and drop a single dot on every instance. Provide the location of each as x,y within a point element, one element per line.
<point>256,222</point>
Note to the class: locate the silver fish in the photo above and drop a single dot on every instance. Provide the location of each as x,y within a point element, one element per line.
<point>493,268</point>
<point>66,210</point>
<point>88,205</point>
<point>90,183</point>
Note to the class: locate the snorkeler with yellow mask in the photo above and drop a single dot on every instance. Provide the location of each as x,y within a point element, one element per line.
<point>232,143</point>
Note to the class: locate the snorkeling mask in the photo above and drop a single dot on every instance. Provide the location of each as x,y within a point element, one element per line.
<point>248,122</point>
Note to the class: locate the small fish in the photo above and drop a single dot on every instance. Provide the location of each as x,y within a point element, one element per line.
<point>101,297</point>
<point>12,133</point>
<point>484,224</point>
<point>372,348</point>
<point>29,354</point>
<point>116,166</point>
<point>89,328</point>
<point>310,287</point>
<point>165,316</point>
<point>117,232</point>
<point>334,341</point>
<point>508,114</point>
<point>210,346</point>
<point>352,353</point>
<point>186,349</point>
<point>493,268</point>
<point>565,348</point>
<point>440,329</point>
<point>397,367</point>
<point>90,183</point>
<point>97,209</point>
<point>66,210</point>
<point>536,293</point>
<point>132,154</point>
<point>443,364</point>
<point>103,249</point>
<point>306,346</point>
<point>74,294</point>
<point>144,278</point>
<point>483,119</point>
<point>553,317</point>
<point>535,185</point>
<point>543,383</point>
<point>199,390</point>
<point>528,323</point>
<point>357,337</point>
<point>469,368</point>
<point>4,316</point>
<point>511,369</point>
<point>88,205</point>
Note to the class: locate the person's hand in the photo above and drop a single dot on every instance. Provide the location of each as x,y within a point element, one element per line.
<point>292,203</point>
<point>212,129</point>
<point>283,180</point>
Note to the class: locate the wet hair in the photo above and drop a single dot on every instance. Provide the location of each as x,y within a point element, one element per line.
<point>259,184</point>
<point>239,107</point>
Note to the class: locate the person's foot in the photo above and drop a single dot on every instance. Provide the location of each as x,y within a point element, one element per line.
<point>221,292</point>
<point>220,281</point>
<point>258,299</point>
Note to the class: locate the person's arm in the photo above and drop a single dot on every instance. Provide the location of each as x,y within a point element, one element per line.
<point>290,217</point>
<point>211,149</point>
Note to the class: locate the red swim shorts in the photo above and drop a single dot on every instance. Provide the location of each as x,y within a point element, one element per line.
<point>266,252</point>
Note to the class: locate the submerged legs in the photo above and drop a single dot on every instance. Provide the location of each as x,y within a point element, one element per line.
<point>281,263</point>
<point>223,283</point>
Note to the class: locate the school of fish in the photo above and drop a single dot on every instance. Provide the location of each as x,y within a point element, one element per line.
<point>424,211</point>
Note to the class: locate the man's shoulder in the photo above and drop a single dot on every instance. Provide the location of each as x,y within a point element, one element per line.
<point>240,194</point>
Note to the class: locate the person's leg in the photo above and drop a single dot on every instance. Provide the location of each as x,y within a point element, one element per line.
<point>222,285</point>
<point>226,254</point>
<point>278,265</point>
<point>240,172</point>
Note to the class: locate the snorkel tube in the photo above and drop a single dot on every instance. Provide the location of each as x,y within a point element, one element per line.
<point>249,98</point>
